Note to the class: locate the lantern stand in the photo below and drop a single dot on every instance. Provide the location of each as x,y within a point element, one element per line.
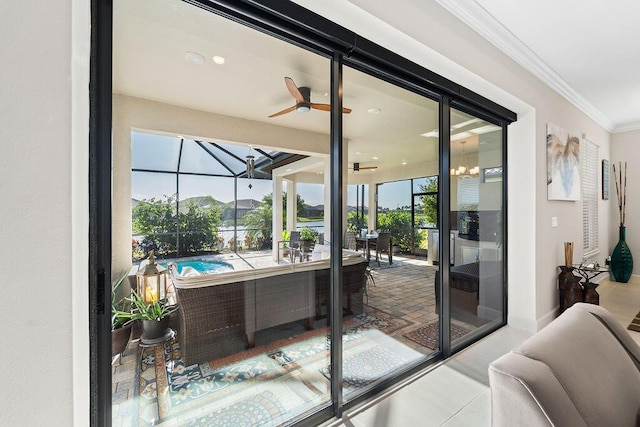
<point>152,287</point>
<point>151,283</point>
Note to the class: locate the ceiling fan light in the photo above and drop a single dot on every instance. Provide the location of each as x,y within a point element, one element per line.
<point>303,108</point>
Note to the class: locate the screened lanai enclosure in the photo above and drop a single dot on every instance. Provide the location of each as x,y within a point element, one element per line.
<point>296,200</point>
<point>192,197</point>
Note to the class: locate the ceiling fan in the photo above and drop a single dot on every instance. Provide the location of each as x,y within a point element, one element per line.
<point>356,167</point>
<point>302,95</point>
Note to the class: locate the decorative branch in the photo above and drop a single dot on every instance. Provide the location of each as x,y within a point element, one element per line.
<point>621,190</point>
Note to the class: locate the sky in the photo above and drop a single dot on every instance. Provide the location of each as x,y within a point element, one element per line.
<point>145,154</point>
<point>145,185</point>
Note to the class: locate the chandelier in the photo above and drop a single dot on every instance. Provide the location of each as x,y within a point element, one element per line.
<point>463,169</point>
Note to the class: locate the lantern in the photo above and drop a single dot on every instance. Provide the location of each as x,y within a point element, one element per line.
<point>151,283</point>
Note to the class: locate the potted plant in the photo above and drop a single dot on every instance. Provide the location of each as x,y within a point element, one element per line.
<point>154,316</point>
<point>285,243</point>
<point>121,321</point>
<point>308,237</point>
<point>369,280</point>
<point>308,234</point>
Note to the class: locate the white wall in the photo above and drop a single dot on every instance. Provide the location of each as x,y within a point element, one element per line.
<point>625,147</point>
<point>44,215</point>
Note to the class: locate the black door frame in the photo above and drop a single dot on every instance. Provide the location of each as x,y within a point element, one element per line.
<point>300,26</point>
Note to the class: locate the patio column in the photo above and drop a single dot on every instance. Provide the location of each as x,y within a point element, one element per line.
<point>292,204</point>
<point>277,216</point>
<point>373,205</point>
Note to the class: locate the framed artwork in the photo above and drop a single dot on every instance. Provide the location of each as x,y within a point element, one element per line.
<point>492,174</point>
<point>605,179</point>
<point>563,164</point>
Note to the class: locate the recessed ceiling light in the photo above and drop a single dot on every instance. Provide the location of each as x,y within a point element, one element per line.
<point>288,170</point>
<point>358,152</point>
<point>194,57</point>
<point>218,60</point>
<point>404,162</point>
<point>374,158</point>
<point>374,111</point>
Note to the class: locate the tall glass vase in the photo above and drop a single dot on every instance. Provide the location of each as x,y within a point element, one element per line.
<point>621,259</point>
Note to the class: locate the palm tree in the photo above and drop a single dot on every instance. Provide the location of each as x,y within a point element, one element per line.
<point>259,223</point>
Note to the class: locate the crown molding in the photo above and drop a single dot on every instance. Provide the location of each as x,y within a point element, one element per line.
<point>627,127</point>
<point>485,24</point>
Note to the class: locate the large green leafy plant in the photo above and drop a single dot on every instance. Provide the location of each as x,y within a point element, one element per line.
<point>158,222</point>
<point>140,310</point>
<point>120,307</point>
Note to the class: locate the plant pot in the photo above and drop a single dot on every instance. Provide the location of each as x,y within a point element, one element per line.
<point>154,329</point>
<point>120,339</point>
<point>621,259</point>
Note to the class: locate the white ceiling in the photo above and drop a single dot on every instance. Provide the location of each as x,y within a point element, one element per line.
<point>151,38</point>
<point>588,51</point>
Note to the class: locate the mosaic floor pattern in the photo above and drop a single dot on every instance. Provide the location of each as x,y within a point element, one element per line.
<point>270,385</point>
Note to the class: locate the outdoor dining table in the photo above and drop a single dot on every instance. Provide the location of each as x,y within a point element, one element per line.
<point>365,242</point>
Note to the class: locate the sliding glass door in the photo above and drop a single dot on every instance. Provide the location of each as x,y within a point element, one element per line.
<point>283,183</point>
<point>476,280</point>
<point>396,327</point>
<point>221,148</point>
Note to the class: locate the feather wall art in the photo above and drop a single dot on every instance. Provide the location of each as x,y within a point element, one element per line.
<point>563,164</point>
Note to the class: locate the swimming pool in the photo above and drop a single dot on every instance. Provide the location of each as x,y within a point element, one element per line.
<point>205,266</point>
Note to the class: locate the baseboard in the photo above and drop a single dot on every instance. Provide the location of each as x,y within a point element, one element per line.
<point>485,312</point>
<point>548,318</point>
<point>528,325</point>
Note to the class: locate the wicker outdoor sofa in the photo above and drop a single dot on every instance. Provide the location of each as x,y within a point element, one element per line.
<point>219,314</point>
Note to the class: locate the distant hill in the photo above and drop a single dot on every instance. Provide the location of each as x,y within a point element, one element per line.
<point>243,204</point>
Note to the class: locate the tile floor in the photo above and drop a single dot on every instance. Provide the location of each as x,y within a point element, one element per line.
<point>457,393</point>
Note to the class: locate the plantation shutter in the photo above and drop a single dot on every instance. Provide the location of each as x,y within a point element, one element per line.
<point>468,191</point>
<point>589,154</point>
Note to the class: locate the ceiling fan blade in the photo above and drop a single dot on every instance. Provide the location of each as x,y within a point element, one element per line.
<point>323,107</point>
<point>293,89</point>
<point>285,111</point>
<point>356,167</point>
<point>327,107</point>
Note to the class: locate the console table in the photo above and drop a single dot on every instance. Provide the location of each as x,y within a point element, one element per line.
<point>572,290</point>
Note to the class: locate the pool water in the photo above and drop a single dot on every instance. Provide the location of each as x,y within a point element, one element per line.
<point>204,266</point>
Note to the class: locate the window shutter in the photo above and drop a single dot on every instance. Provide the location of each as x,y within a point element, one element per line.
<point>589,154</point>
<point>468,192</point>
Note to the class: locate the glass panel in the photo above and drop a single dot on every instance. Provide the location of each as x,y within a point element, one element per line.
<point>153,207</point>
<point>312,215</point>
<point>195,159</point>
<point>476,275</point>
<point>255,214</point>
<point>201,209</point>
<point>357,208</point>
<point>155,152</point>
<point>230,155</point>
<point>394,324</point>
<point>255,339</point>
